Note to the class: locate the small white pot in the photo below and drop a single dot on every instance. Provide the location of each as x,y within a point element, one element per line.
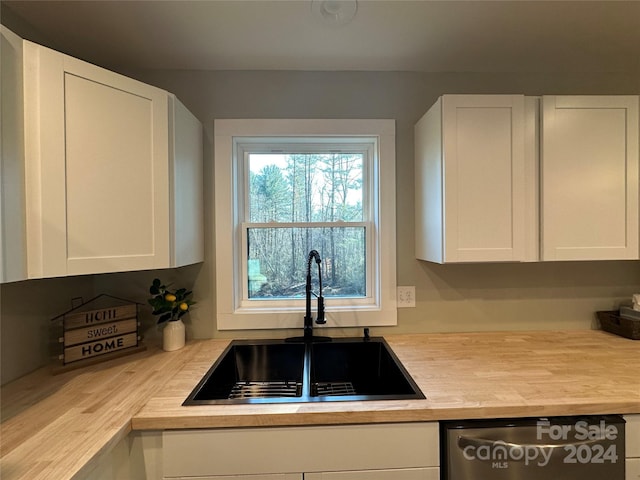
<point>173,336</point>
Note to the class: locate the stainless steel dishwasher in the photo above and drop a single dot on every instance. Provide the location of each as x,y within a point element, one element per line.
<point>553,448</point>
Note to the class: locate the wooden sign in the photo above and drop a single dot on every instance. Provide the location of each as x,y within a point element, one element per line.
<point>103,315</point>
<point>101,347</point>
<point>100,331</point>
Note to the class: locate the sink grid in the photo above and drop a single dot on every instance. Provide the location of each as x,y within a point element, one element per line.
<point>265,390</point>
<point>326,389</point>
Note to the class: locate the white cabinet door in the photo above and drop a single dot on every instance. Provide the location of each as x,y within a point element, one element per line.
<point>632,435</point>
<point>470,184</point>
<point>114,171</point>
<point>97,168</point>
<point>431,473</point>
<point>589,178</point>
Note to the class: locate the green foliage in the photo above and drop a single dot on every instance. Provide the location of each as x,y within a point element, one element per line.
<point>169,305</point>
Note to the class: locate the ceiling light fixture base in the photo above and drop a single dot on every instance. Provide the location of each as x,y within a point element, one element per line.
<point>334,12</point>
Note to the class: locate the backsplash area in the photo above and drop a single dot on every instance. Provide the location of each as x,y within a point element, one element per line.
<point>450,298</point>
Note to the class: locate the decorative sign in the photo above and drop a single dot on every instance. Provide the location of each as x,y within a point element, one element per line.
<point>94,317</point>
<point>96,332</point>
<point>102,328</point>
<point>92,349</point>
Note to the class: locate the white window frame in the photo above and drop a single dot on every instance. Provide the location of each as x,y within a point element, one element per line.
<point>244,146</point>
<point>379,306</point>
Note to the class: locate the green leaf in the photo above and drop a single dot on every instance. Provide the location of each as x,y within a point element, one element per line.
<point>165,309</point>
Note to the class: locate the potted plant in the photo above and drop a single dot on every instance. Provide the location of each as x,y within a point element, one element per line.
<point>170,306</point>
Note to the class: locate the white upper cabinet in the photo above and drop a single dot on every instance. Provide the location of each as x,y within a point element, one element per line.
<point>13,256</point>
<point>470,179</point>
<point>589,178</point>
<point>186,185</point>
<point>104,172</point>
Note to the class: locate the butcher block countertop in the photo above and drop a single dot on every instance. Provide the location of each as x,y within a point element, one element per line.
<point>57,426</point>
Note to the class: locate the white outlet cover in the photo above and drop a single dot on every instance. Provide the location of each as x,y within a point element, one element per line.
<point>406,297</point>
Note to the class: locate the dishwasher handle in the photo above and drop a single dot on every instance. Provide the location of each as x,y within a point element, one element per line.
<point>464,441</point>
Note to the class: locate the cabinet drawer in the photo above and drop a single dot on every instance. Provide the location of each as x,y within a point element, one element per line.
<point>432,473</point>
<point>300,449</point>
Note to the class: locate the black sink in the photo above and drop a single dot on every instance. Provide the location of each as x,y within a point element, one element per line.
<point>276,371</point>
<point>362,369</point>
<point>250,371</point>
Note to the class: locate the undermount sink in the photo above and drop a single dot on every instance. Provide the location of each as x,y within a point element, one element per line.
<point>358,368</point>
<point>277,371</point>
<point>249,370</point>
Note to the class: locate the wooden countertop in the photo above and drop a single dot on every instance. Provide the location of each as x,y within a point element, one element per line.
<point>57,426</point>
<point>478,375</point>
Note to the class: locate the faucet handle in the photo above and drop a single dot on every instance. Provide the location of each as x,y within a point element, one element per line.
<point>321,320</point>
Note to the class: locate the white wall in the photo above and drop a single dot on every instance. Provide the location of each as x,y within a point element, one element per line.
<point>26,310</point>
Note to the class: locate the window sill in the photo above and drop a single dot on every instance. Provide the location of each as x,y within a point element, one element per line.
<point>268,319</point>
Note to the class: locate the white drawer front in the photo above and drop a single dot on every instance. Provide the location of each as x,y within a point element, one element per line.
<point>243,451</point>
<point>632,432</point>
<point>432,473</point>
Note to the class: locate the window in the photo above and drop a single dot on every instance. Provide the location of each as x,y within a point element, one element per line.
<point>285,187</point>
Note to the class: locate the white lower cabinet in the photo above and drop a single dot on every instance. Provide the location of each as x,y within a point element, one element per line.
<point>431,473</point>
<point>396,474</point>
<point>357,452</point>
<point>632,447</point>
<point>277,476</point>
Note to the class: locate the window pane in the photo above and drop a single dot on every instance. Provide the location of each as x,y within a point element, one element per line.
<point>318,187</point>
<point>277,261</point>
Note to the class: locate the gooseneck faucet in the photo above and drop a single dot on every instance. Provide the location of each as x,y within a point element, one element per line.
<point>308,319</point>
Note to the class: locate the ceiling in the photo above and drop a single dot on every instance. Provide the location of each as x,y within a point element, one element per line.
<point>384,35</point>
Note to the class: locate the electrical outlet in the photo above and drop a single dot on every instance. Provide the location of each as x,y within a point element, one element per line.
<point>406,297</point>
